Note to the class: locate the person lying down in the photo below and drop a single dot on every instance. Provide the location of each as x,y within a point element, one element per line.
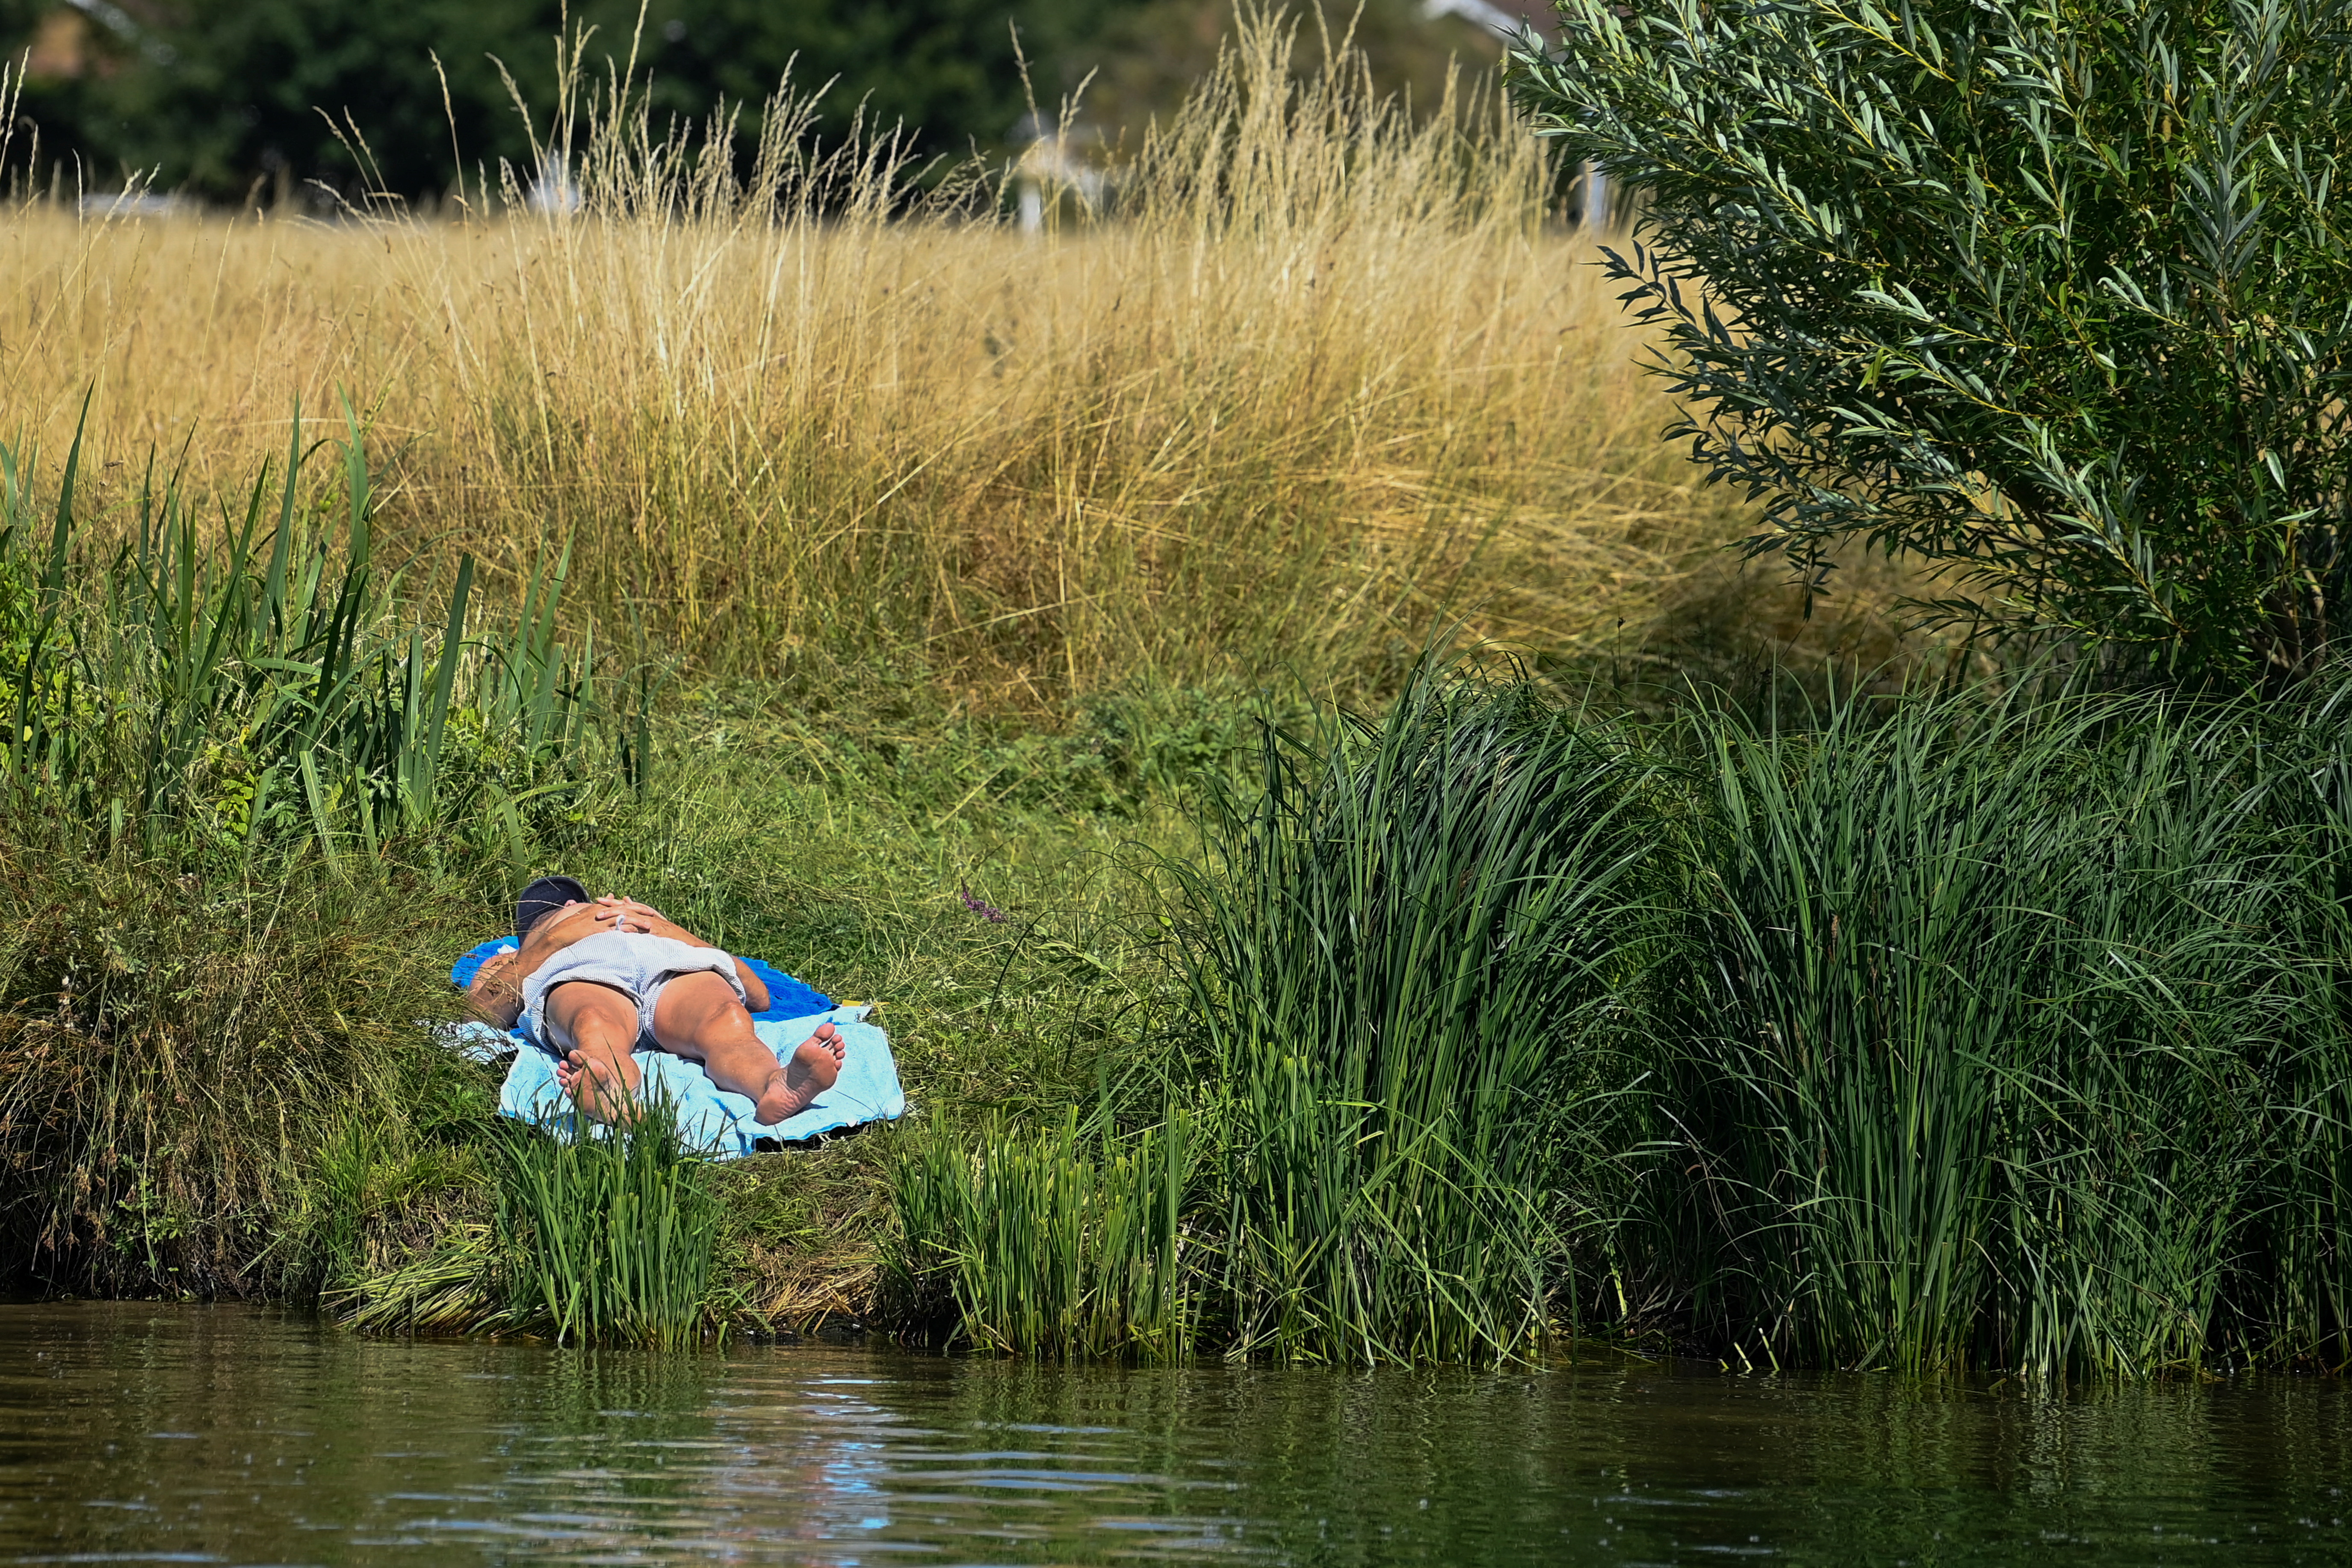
<point>595,981</point>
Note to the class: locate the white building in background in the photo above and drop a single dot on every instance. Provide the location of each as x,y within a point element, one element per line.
<point>1483,13</point>
<point>1594,207</point>
<point>552,191</point>
<point>1050,168</point>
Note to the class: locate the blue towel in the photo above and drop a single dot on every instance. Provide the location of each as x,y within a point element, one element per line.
<point>712,1120</point>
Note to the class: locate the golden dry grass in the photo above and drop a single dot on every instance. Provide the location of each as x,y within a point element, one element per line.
<point>1320,379</point>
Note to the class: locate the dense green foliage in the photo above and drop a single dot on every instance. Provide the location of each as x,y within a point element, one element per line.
<point>1935,1032</point>
<point>2022,1044</point>
<point>2056,292</point>
<point>235,867</point>
<point>1409,949</point>
<point>247,694</point>
<point>606,1239</point>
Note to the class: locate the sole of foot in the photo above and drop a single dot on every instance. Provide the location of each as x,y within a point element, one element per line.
<point>813,1067</point>
<point>600,1093</point>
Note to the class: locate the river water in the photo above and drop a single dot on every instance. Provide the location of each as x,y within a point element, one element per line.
<point>193,1433</point>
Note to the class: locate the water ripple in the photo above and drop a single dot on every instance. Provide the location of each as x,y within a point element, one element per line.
<point>224,1435</point>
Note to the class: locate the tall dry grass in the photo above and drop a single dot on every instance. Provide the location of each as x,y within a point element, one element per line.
<point>1315,376</point>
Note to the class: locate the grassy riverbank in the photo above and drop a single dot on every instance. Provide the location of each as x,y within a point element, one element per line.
<point>966,620</point>
<point>1986,1030</point>
<point>1993,1028</point>
<point>914,553</point>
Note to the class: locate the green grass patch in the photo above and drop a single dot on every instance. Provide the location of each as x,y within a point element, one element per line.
<point>607,1236</point>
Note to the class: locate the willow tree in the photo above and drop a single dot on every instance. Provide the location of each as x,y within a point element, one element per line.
<point>2057,294</point>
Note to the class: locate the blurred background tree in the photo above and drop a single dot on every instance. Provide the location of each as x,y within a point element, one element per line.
<point>232,99</point>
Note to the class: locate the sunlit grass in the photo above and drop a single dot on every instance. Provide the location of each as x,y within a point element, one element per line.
<point>920,557</point>
<point>1320,377</point>
<point>607,1237</point>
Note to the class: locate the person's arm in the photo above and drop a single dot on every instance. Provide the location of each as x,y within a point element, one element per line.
<point>755,990</point>
<point>496,990</point>
<point>638,917</point>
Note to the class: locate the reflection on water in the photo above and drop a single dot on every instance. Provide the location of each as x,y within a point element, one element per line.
<point>219,1434</point>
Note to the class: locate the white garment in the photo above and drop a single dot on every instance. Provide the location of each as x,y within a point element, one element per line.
<point>634,963</point>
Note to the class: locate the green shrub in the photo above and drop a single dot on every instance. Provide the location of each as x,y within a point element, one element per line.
<point>2054,293</point>
<point>239,782</point>
<point>177,1051</point>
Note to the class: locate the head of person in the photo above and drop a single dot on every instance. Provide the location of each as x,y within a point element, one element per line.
<point>542,899</point>
<point>487,972</point>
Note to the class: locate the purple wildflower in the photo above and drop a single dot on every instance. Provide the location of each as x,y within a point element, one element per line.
<point>984,909</point>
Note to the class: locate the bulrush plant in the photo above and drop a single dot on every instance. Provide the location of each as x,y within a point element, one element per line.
<point>2018,1046</point>
<point>240,777</point>
<point>1414,955</point>
<point>1417,949</point>
<point>268,686</point>
<point>1947,1031</point>
<point>1316,368</point>
<point>605,1237</point>
<point>1051,1240</point>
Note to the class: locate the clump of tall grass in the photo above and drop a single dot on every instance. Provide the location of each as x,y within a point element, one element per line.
<point>598,1235</point>
<point>1975,1029</point>
<point>607,1236</point>
<point>184,692</point>
<point>240,776</point>
<point>2005,1035</point>
<point>2012,1039</point>
<point>1046,1239</point>
<point>1417,948</point>
<point>1316,370</point>
<point>1416,952</point>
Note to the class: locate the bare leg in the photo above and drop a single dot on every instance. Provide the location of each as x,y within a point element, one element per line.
<point>600,1026</point>
<point>698,1016</point>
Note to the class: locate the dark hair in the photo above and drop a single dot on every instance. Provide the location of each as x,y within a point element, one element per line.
<point>542,899</point>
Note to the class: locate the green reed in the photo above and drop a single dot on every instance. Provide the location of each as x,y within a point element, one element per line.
<point>267,684</point>
<point>1961,1030</point>
<point>1413,950</point>
<point>212,725</point>
<point>2295,1299</point>
<point>1412,959</point>
<point>2016,1013</point>
<point>607,1236</point>
<point>1045,1240</point>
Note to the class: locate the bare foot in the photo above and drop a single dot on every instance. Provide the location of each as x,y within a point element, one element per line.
<point>813,1069</point>
<point>593,1087</point>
